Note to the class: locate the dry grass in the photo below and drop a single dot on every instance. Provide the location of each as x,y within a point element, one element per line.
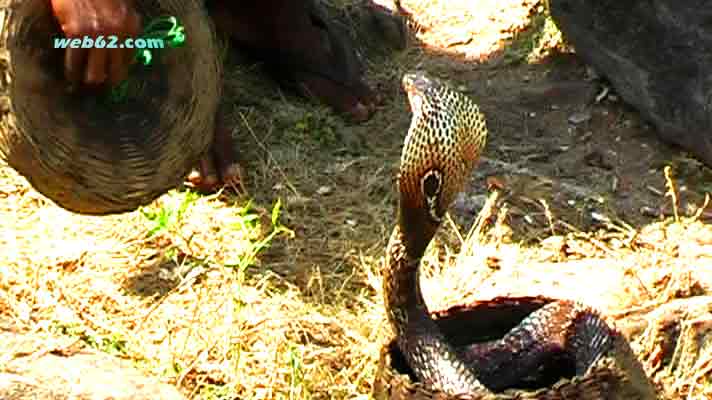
<point>177,303</point>
<point>226,300</point>
<point>184,302</point>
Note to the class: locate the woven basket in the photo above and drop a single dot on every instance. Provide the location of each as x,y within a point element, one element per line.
<point>617,374</point>
<point>94,157</point>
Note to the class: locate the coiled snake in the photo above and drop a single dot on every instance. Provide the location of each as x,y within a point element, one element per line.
<point>557,339</point>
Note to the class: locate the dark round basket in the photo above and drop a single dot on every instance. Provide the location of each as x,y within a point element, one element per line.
<point>599,368</point>
<point>90,155</point>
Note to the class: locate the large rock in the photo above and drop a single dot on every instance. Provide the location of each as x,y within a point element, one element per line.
<point>30,370</point>
<point>657,56</point>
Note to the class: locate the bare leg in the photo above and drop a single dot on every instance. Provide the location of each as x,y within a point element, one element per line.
<point>220,167</point>
<point>301,49</point>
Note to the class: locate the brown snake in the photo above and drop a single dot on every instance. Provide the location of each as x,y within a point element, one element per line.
<point>554,350</point>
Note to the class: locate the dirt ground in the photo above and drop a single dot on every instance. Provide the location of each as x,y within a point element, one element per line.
<point>570,160</point>
<point>557,132</point>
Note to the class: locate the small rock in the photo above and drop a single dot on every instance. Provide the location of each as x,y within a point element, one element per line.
<point>297,200</point>
<point>649,211</point>
<point>580,117</point>
<point>324,190</point>
<point>598,217</point>
<point>166,274</point>
<point>469,204</point>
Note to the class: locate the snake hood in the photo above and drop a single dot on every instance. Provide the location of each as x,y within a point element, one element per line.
<point>444,141</point>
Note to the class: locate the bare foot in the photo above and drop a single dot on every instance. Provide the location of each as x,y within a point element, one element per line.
<point>358,103</point>
<point>220,167</point>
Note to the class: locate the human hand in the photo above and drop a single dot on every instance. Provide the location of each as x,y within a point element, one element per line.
<point>91,18</point>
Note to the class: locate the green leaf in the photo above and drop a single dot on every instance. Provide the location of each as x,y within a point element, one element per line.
<point>275,212</point>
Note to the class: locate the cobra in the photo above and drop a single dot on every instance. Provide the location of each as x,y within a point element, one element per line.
<point>447,134</point>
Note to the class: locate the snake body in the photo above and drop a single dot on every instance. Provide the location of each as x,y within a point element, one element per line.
<point>446,136</point>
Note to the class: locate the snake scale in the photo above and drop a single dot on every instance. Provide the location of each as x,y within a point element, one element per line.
<point>563,339</point>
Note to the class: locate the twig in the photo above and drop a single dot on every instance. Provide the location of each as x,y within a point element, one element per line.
<point>702,209</point>
<point>269,154</point>
<point>549,215</point>
<point>670,184</point>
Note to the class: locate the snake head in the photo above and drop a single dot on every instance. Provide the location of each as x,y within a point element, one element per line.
<point>444,141</point>
<point>420,87</point>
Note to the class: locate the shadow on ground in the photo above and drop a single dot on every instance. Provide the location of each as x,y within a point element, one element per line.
<point>562,148</point>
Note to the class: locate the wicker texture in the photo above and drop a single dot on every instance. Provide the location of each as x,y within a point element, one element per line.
<point>93,157</point>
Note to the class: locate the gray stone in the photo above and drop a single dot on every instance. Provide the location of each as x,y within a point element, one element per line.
<point>657,56</point>
<point>30,370</point>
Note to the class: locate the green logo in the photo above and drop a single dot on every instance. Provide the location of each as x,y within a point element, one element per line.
<point>166,29</point>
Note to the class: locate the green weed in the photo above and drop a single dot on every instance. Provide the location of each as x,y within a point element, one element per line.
<point>251,223</point>
<point>114,344</point>
<point>169,213</point>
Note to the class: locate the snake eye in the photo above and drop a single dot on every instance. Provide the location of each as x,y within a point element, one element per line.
<point>431,185</point>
